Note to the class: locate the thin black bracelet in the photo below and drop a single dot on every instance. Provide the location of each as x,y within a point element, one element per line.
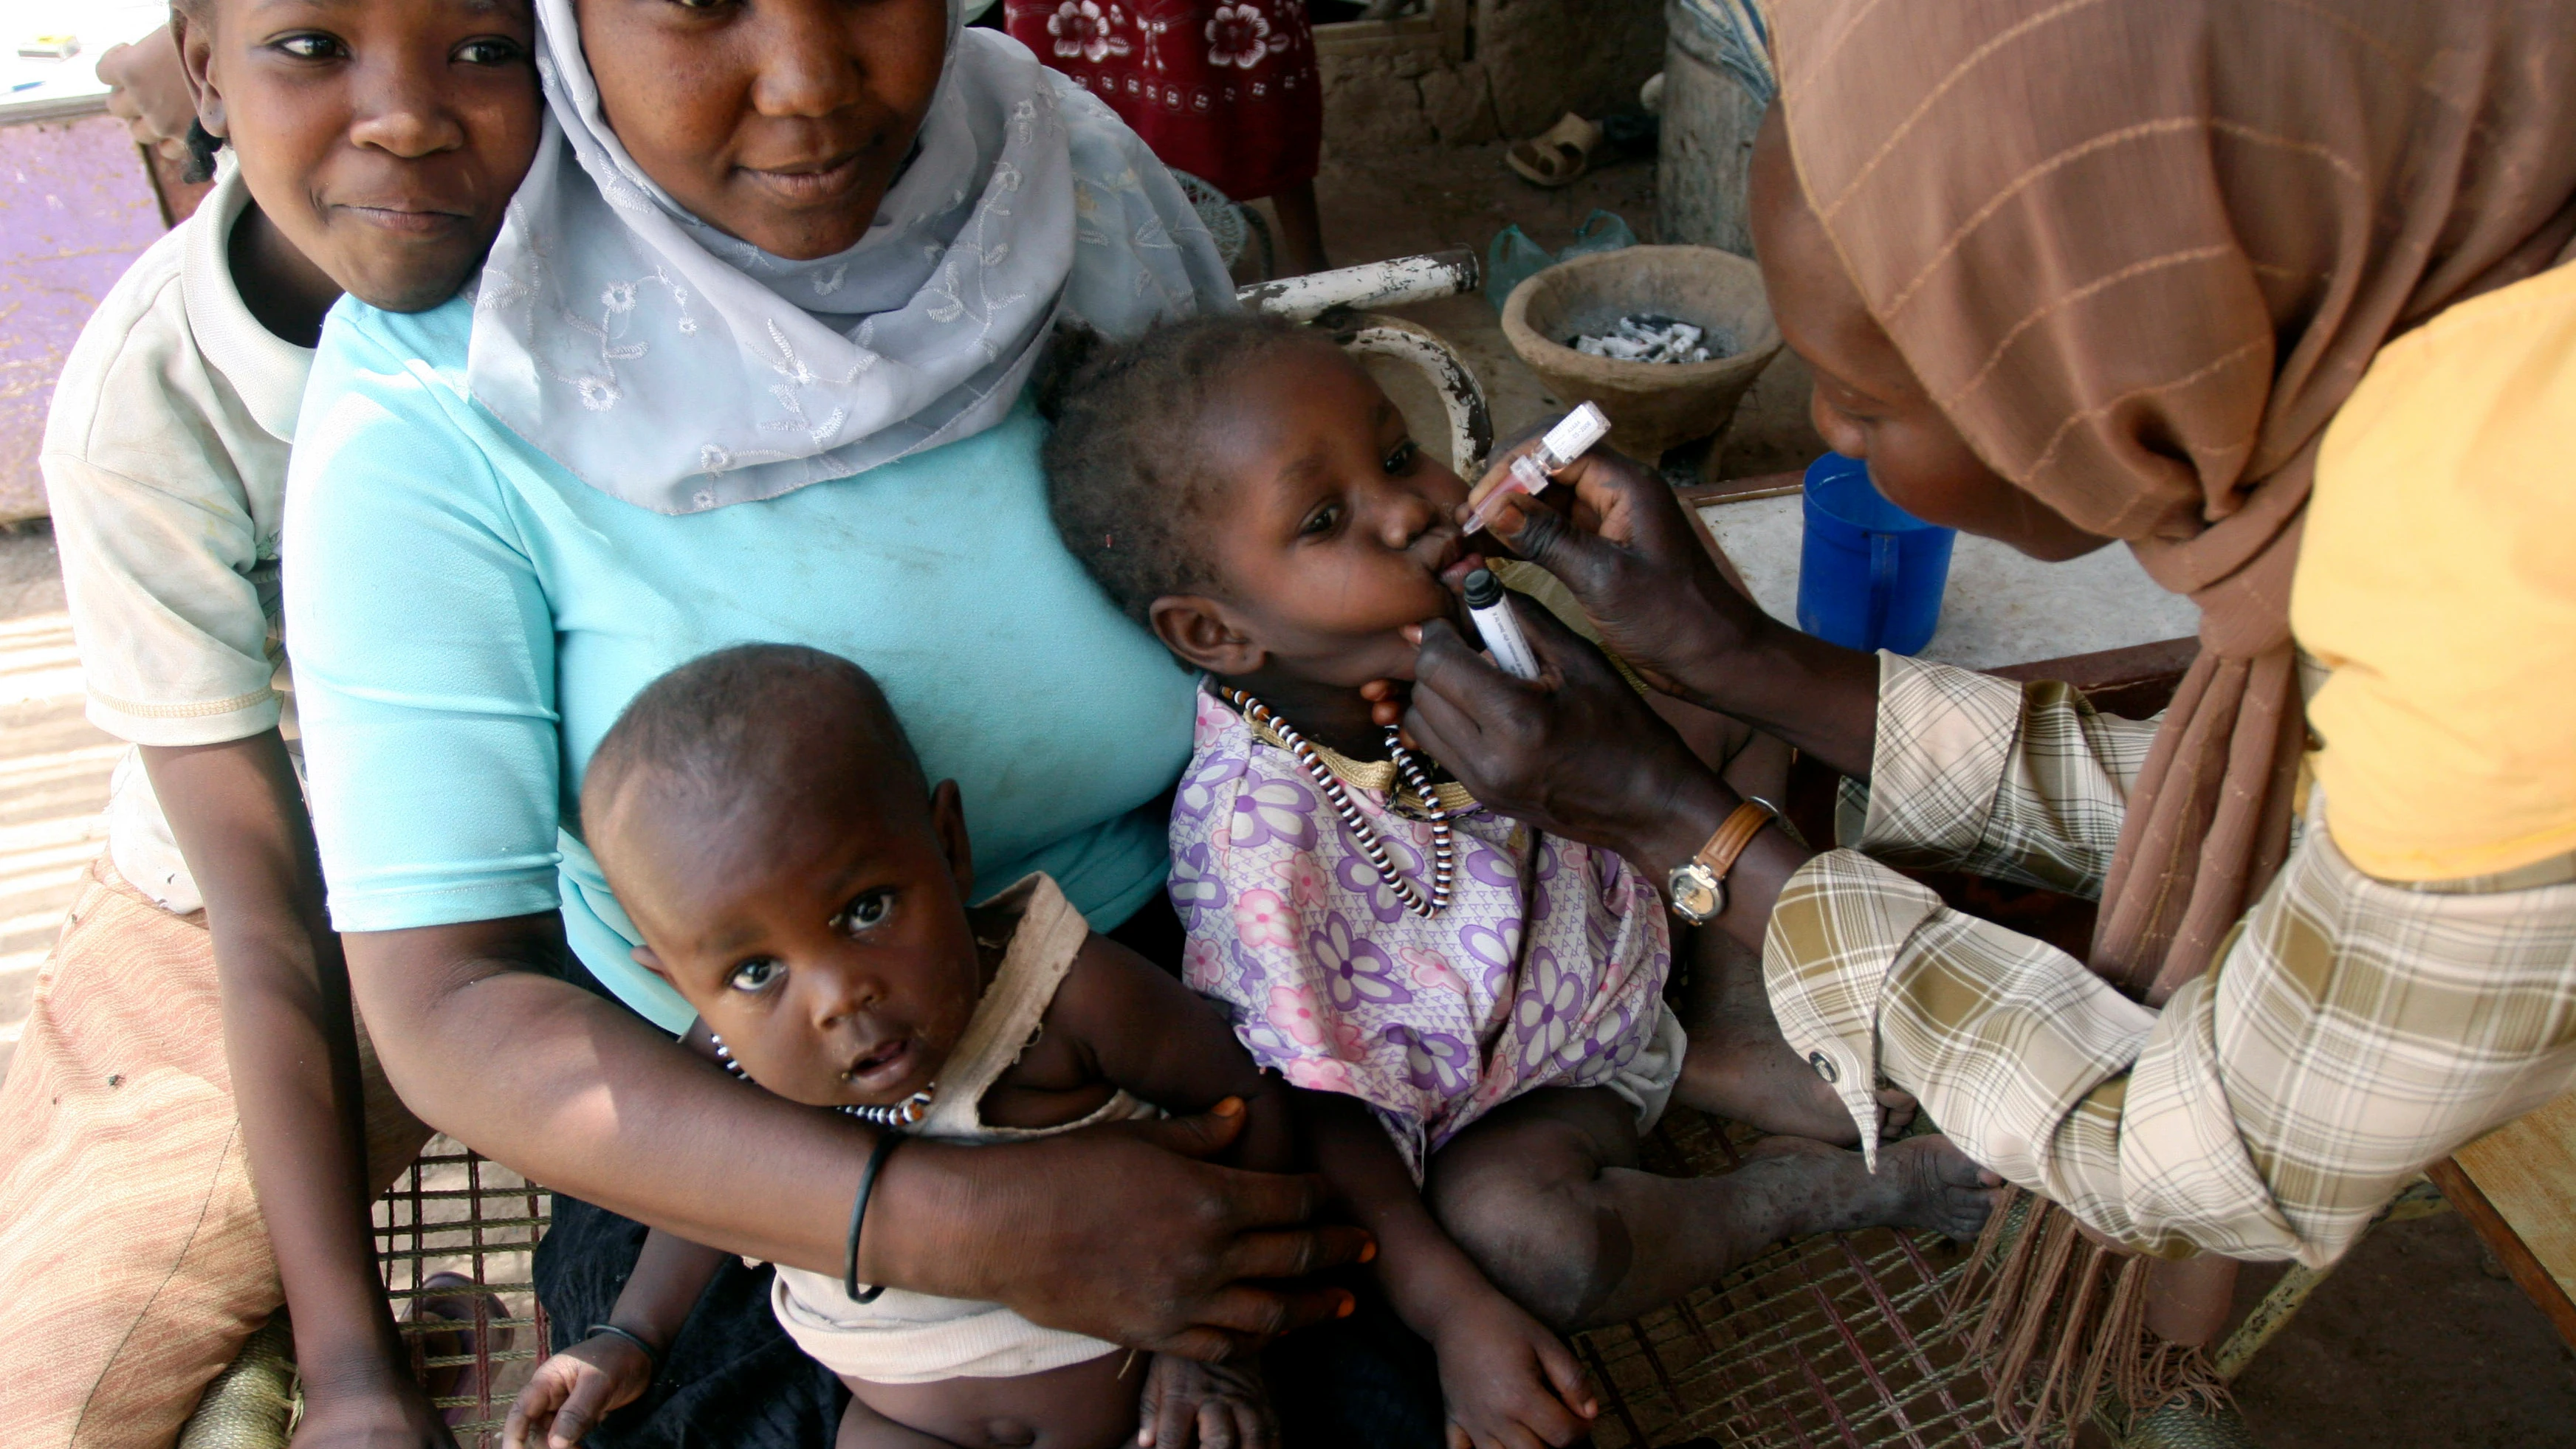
<point>886,1140</point>
<point>652,1355</point>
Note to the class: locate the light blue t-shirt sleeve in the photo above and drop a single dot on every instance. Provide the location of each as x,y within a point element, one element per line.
<point>423,649</point>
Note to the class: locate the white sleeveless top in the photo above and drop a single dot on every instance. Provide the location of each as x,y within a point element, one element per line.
<point>911,1338</point>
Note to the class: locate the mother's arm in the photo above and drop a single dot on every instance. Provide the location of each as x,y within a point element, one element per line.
<point>1121,1233</point>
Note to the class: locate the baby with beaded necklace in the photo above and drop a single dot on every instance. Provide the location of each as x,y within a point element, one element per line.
<point>795,877</point>
<point>1471,1012</point>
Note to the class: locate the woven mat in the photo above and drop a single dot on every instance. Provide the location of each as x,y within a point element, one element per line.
<point>1837,1340</point>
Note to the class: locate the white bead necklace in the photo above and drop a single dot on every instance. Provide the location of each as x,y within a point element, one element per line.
<point>905,1113</point>
<point>1443,854</point>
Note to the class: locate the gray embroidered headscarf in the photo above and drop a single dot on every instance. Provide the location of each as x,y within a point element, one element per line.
<point>670,365</point>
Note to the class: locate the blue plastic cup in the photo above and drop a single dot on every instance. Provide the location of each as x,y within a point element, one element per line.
<point>1870,574</point>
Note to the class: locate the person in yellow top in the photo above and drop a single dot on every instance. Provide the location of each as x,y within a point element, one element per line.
<point>2438,587</point>
<point>2266,294</point>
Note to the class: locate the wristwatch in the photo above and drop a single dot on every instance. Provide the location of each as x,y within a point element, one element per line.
<point>1697,886</point>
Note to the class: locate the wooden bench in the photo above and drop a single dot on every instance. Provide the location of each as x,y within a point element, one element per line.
<point>2517,1188</point>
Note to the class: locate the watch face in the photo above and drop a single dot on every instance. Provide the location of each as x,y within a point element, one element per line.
<point>1696,893</point>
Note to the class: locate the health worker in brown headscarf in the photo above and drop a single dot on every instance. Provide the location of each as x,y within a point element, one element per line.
<point>2266,293</point>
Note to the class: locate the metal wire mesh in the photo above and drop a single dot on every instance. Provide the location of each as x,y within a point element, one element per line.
<point>456,1212</point>
<point>1837,1340</point>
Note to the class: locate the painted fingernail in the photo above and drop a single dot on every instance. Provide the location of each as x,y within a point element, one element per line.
<point>1230,1107</point>
<point>1368,1251</point>
<point>1345,1305</point>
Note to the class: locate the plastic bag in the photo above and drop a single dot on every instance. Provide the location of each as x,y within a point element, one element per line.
<point>1602,231</point>
<point>1513,256</point>
<point>1512,259</point>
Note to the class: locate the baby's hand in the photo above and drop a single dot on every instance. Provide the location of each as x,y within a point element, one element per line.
<point>572,1391</point>
<point>1212,1405</point>
<point>1509,1383</point>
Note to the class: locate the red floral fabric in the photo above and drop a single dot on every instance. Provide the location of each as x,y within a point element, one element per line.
<point>1227,92</point>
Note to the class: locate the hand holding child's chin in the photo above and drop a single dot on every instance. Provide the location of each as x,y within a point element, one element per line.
<point>1507,1379</point>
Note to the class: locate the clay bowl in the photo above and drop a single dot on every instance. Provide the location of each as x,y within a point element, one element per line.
<point>1652,405</point>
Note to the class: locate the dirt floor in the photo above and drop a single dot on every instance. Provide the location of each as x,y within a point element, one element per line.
<point>2417,1341</point>
<point>2411,1343</point>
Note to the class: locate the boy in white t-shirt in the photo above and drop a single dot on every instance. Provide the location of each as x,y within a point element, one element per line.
<point>172,1057</point>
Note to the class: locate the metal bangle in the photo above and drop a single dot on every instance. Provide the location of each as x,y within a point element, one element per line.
<point>886,1140</point>
<point>652,1355</point>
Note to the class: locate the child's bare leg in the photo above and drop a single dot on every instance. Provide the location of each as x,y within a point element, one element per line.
<point>1088,1405</point>
<point>1716,739</point>
<point>1759,767</point>
<point>1739,1066</point>
<point>1301,230</point>
<point>1545,1195</point>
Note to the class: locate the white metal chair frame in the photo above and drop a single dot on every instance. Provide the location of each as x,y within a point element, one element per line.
<point>1339,300</point>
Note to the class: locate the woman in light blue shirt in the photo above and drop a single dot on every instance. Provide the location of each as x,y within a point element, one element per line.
<point>480,616</point>
<point>746,364</point>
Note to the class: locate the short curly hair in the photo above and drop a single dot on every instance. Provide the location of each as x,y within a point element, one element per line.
<point>1124,478</point>
<point>727,720</point>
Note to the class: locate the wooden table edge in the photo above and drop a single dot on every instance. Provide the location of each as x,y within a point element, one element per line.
<point>2527,1271</point>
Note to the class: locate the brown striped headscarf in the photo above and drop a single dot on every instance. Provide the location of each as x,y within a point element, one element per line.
<point>2139,251</point>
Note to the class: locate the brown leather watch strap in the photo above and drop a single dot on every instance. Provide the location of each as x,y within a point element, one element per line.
<point>1733,834</point>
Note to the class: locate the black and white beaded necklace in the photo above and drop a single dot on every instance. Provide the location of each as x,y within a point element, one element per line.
<point>905,1113</point>
<point>1443,854</point>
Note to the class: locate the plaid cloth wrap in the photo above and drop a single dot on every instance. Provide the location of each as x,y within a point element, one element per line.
<point>2352,1030</point>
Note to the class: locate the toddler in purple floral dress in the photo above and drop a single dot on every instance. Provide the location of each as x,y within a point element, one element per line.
<point>1472,1012</point>
<point>1545,967</point>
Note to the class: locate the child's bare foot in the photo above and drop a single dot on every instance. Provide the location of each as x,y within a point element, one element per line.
<point>1922,1182</point>
<point>1739,1066</point>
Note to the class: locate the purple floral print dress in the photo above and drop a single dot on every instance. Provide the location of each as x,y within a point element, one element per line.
<point>1546,968</point>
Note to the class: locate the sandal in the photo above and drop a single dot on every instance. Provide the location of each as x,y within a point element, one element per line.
<point>1560,156</point>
